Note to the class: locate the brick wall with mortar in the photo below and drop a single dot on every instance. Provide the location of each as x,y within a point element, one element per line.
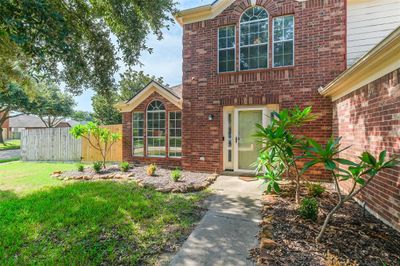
<point>127,154</point>
<point>319,58</point>
<point>368,119</point>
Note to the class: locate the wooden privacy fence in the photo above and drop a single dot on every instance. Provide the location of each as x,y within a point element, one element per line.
<point>49,144</point>
<point>89,154</point>
<point>57,144</point>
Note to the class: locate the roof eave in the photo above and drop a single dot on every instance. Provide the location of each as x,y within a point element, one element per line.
<point>383,54</point>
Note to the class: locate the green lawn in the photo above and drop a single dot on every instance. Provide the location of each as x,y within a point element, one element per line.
<point>86,223</point>
<point>11,145</point>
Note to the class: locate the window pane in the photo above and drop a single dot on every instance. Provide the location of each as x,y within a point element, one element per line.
<point>175,139</point>
<point>137,134</point>
<point>156,129</point>
<point>226,53</point>
<point>283,41</point>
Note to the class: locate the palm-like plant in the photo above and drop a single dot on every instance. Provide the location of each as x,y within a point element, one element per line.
<point>279,143</point>
<point>359,173</point>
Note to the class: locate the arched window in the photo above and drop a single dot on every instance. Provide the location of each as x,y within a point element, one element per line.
<point>156,129</point>
<point>254,39</point>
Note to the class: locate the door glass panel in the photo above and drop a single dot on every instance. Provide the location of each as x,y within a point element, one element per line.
<point>248,147</point>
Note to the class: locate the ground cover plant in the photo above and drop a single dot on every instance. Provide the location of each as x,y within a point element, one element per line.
<point>83,223</point>
<point>10,145</point>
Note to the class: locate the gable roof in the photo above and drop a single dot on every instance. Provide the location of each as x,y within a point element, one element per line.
<point>203,12</point>
<point>172,94</point>
<point>26,121</point>
<point>380,60</point>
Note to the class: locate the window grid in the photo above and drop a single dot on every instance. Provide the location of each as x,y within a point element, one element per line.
<point>175,135</point>
<point>138,134</point>
<point>156,130</point>
<point>254,39</point>
<point>226,49</point>
<point>283,41</point>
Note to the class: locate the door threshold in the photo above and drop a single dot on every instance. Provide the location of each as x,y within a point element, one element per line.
<point>233,173</point>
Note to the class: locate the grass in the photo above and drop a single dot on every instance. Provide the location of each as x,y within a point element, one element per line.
<point>9,160</point>
<point>10,145</point>
<point>86,223</point>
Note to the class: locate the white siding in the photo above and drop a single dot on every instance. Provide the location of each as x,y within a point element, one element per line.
<point>369,22</point>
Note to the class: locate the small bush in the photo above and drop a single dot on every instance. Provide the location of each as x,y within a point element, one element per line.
<point>97,166</point>
<point>151,169</point>
<point>80,167</point>
<point>315,189</point>
<point>124,166</point>
<point>176,175</point>
<point>309,209</point>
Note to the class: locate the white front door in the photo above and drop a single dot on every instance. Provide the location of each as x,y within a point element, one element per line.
<point>240,146</point>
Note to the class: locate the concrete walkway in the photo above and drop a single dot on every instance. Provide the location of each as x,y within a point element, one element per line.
<point>7,154</point>
<point>228,229</point>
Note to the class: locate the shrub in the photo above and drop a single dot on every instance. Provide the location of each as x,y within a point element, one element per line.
<point>309,209</point>
<point>97,166</point>
<point>80,167</point>
<point>315,189</point>
<point>151,169</point>
<point>124,166</point>
<point>176,175</point>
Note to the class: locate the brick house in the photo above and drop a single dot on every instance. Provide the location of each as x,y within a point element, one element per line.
<point>244,59</point>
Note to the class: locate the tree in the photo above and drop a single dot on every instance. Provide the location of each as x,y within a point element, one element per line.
<point>53,105</point>
<point>82,116</point>
<point>278,155</point>
<point>71,41</point>
<point>13,98</point>
<point>104,111</point>
<point>133,81</point>
<point>360,174</point>
<point>99,138</point>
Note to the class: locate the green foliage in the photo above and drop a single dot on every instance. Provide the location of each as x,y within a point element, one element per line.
<point>176,175</point>
<point>124,166</point>
<point>359,174</point>
<point>104,111</point>
<point>97,166</point>
<point>309,209</point>
<point>70,41</point>
<point>52,105</point>
<point>279,143</point>
<point>98,223</point>
<point>10,145</point>
<point>80,167</point>
<point>82,116</point>
<point>133,81</point>
<point>103,137</point>
<point>151,169</point>
<point>315,189</point>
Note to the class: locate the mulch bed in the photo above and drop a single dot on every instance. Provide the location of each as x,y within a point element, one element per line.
<point>161,181</point>
<point>353,237</point>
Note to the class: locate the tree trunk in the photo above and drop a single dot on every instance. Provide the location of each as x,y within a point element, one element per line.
<point>1,136</point>
<point>327,219</point>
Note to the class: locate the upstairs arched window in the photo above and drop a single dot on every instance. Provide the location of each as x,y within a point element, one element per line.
<point>254,39</point>
<point>156,129</point>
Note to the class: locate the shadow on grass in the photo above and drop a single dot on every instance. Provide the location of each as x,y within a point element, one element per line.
<point>93,222</point>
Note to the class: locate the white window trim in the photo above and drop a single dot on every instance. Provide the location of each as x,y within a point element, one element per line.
<point>169,136</point>
<point>143,137</point>
<point>147,136</point>
<point>273,42</point>
<point>250,45</point>
<point>223,49</point>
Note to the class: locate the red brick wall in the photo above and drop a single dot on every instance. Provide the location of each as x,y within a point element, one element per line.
<point>127,134</point>
<point>368,119</point>
<point>319,58</point>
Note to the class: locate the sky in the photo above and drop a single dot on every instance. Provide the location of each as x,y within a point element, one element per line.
<point>165,61</point>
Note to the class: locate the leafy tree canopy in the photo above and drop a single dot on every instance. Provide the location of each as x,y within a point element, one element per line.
<point>104,112</point>
<point>70,40</point>
<point>133,81</point>
<point>52,105</point>
<point>82,116</point>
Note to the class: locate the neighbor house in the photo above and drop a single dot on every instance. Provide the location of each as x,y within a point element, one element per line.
<point>244,59</point>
